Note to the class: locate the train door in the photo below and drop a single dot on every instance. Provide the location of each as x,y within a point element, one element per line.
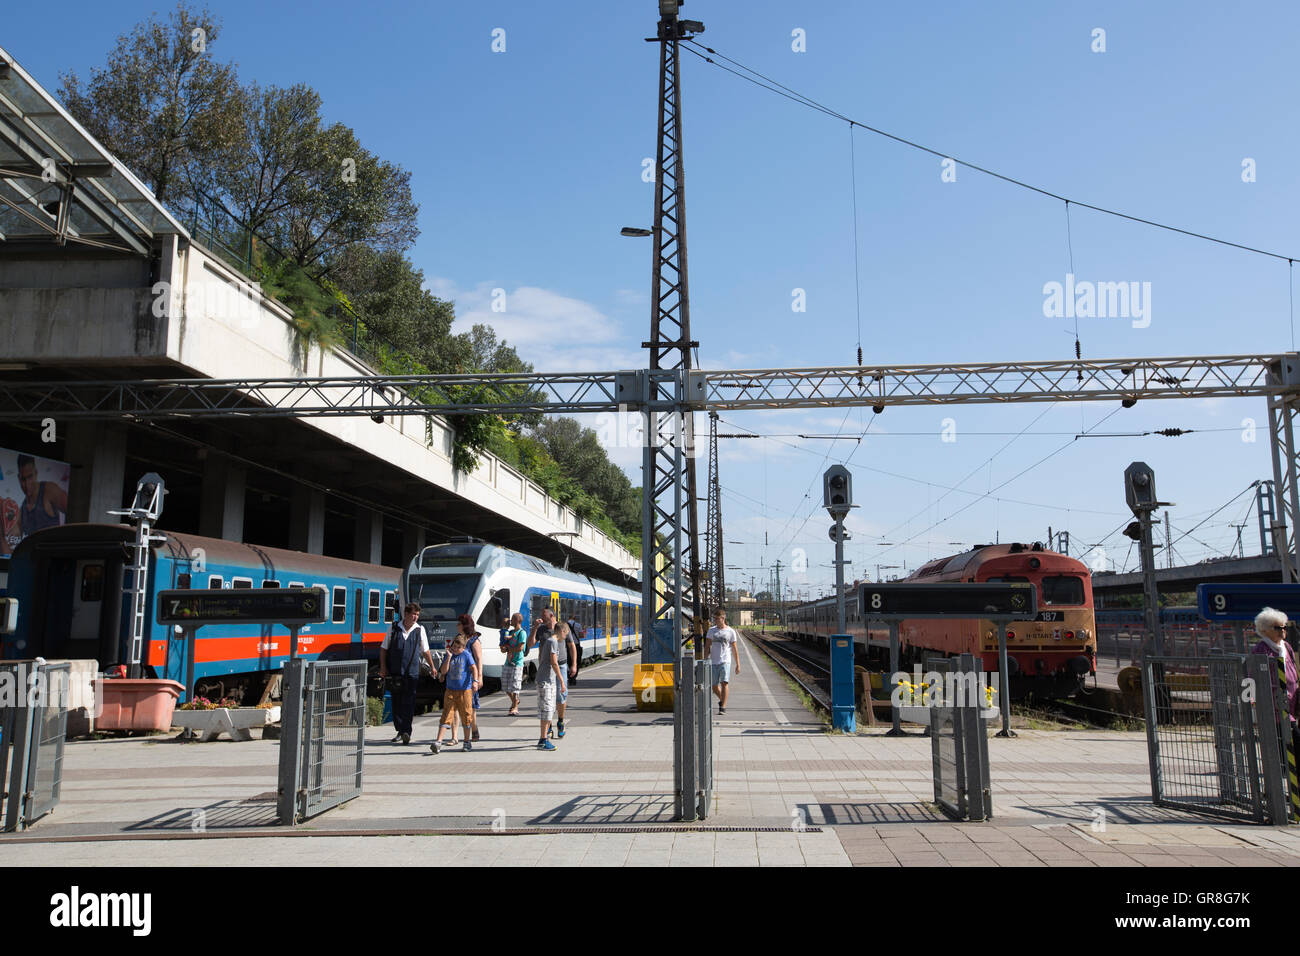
<point>86,609</point>
<point>619,625</point>
<point>602,615</point>
<point>357,649</point>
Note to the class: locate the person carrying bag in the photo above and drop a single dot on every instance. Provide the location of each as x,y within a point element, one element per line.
<point>405,649</point>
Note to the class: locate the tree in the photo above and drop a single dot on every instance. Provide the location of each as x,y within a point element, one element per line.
<point>347,197</point>
<point>163,106</point>
<point>279,142</point>
<point>388,293</point>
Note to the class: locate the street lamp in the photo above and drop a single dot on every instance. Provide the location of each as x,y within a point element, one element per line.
<point>635,232</point>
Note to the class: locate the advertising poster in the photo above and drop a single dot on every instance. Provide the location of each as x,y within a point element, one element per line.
<point>33,495</point>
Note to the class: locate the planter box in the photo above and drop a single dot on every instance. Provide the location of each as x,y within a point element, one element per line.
<point>126,704</point>
<point>236,722</point>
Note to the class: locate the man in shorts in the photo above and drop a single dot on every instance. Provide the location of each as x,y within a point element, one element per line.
<point>718,643</point>
<point>548,680</point>
<point>567,652</point>
<point>512,672</point>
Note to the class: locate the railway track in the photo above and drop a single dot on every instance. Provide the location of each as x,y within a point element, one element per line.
<point>812,675</point>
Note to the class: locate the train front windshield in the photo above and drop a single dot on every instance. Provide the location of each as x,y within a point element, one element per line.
<point>443,597</point>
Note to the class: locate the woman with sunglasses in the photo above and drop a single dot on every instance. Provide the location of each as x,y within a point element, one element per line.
<point>1270,625</point>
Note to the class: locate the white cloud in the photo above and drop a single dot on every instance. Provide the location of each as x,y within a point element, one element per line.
<point>555,332</point>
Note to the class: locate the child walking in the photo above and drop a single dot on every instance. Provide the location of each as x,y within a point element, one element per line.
<point>459,674</point>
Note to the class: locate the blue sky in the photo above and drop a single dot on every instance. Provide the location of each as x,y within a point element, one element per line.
<point>527,162</point>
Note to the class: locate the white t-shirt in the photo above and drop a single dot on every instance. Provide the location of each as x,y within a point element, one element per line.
<point>406,632</point>
<point>720,649</point>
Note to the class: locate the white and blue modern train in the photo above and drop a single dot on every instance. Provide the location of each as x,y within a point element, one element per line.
<point>491,583</point>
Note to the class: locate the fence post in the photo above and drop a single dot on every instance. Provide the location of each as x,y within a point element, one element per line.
<point>20,728</point>
<point>290,742</point>
<point>704,726</point>
<point>1153,748</point>
<point>1271,753</point>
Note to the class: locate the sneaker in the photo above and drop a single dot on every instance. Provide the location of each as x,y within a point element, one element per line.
<point>435,746</point>
<point>396,738</point>
<point>550,731</point>
<point>468,745</point>
<point>545,745</point>
<point>541,744</point>
<point>721,709</point>
<point>475,735</point>
<point>559,731</point>
<point>406,739</point>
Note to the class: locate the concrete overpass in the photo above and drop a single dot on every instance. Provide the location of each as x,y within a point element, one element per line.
<point>1262,570</point>
<point>99,281</point>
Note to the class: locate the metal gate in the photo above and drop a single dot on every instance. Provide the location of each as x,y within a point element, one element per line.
<point>323,737</point>
<point>959,746</point>
<point>1215,737</point>
<point>33,725</point>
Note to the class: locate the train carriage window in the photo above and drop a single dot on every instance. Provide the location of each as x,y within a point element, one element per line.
<point>239,584</point>
<point>496,613</point>
<point>356,611</point>
<point>1062,589</point>
<point>390,603</point>
<point>296,584</point>
<point>270,583</point>
<point>372,613</point>
<point>340,605</point>
<point>539,603</point>
<point>215,583</point>
<point>182,582</point>
<point>92,582</point>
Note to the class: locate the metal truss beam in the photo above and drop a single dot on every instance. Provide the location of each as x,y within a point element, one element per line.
<point>1144,379</point>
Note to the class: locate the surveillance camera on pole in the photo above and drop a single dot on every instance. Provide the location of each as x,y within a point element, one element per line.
<point>1140,493</point>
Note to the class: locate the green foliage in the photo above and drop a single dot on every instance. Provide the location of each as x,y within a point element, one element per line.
<point>311,304</point>
<point>163,105</point>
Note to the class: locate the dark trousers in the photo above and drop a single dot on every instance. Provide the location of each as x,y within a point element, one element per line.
<point>403,704</point>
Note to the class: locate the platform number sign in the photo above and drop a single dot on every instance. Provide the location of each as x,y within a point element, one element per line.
<point>1241,602</point>
<point>291,607</point>
<point>1015,601</point>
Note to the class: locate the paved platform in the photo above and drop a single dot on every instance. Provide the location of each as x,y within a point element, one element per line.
<point>787,793</point>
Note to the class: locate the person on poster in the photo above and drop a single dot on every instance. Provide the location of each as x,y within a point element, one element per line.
<point>44,505</point>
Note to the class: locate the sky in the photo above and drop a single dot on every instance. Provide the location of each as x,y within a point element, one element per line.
<point>525,127</point>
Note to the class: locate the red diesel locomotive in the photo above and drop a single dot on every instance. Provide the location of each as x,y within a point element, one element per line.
<point>1047,657</point>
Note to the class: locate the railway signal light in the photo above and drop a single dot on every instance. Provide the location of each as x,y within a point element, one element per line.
<point>1140,487</point>
<point>837,491</point>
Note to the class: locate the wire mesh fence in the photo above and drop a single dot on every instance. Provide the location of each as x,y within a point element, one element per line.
<point>1214,735</point>
<point>958,742</point>
<point>322,746</point>
<point>33,726</point>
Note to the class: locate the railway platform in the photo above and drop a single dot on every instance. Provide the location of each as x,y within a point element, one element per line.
<point>787,792</point>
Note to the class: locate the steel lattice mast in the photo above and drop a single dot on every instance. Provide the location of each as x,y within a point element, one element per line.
<point>715,589</point>
<point>669,494</point>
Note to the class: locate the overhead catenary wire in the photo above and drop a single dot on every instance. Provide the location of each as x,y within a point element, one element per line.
<point>774,87</point>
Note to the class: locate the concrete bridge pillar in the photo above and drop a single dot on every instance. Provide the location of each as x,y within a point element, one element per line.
<point>307,521</point>
<point>97,453</point>
<point>221,503</point>
<point>368,540</point>
<point>413,541</point>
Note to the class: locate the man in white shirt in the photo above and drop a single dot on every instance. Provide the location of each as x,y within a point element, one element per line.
<point>399,658</point>
<point>718,643</point>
